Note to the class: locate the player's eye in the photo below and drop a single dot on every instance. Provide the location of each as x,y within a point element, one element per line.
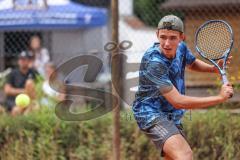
<point>173,38</point>
<point>163,37</point>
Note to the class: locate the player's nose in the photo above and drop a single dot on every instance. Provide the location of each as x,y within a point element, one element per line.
<point>167,42</point>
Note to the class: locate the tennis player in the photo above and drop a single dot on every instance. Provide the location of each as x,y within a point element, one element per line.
<point>160,100</point>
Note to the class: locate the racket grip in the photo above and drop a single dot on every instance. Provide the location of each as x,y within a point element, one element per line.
<point>224,79</point>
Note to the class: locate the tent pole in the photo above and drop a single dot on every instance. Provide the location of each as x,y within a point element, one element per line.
<point>14,4</point>
<point>45,4</point>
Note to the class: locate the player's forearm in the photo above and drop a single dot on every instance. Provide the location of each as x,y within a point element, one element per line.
<point>16,91</point>
<point>10,91</point>
<point>186,102</point>
<point>201,66</point>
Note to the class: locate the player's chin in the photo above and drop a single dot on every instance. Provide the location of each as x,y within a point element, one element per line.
<point>169,53</point>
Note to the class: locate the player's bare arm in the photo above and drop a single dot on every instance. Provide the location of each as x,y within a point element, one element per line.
<point>201,66</point>
<point>11,91</point>
<point>180,101</point>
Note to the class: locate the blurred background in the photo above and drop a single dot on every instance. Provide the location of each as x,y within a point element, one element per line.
<point>71,28</point>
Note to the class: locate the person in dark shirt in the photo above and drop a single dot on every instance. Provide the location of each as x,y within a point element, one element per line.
<point>20,80</point>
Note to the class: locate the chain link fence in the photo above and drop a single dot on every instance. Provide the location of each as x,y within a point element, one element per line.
<point>66,29</point>
<point>138,22</point>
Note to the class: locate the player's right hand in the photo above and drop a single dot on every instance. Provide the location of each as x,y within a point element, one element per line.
<point>226,91</point>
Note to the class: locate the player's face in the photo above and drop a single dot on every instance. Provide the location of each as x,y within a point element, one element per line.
<point>23,63</point>
<point>35,43</point>
<point>169,41</point>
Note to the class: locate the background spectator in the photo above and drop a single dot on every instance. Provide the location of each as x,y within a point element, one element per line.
<point>40,54</point>
<point>50,96</point>
<point>20,80</point>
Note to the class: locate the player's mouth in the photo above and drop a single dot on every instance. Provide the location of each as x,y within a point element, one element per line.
<point>167,49</point>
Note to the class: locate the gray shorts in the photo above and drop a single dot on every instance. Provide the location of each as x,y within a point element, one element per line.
<point>162,129</point>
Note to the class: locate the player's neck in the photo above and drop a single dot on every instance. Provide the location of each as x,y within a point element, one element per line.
<point>23,70</point>
<point>169,57</point>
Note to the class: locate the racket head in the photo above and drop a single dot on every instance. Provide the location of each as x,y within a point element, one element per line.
<point>214,40</point>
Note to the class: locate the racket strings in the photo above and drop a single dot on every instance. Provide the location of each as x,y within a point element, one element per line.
<point>214,40</point>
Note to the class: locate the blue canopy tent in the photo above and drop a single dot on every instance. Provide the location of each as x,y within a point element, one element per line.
<point>67,28</point>
<point>59,14</point>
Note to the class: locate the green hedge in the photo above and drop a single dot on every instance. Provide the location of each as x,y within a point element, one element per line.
<point>40,135</point>
<point>150,13</point>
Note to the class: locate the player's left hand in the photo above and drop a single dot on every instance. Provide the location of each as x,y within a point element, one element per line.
<point>220,64</point>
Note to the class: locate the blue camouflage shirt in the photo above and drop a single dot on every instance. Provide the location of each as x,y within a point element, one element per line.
<point>157,75</point>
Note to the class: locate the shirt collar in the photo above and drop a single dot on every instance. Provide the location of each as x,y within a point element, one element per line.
<point>156,46</point>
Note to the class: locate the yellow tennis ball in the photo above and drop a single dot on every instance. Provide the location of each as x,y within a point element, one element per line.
<point>22,100</point>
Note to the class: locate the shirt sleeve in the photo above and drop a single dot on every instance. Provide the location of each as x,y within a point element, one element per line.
<point>9,78</point>
<point>190,58</point>
<point>158,74</point>
<point>45,55</point>
<point>33,74</point>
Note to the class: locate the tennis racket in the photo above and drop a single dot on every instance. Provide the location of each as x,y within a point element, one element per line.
<point>214,41</point>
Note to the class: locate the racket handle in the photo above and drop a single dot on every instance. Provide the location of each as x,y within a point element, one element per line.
<point>225,81</point>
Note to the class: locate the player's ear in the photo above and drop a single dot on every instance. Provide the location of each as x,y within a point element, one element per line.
<point>182,36</point>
